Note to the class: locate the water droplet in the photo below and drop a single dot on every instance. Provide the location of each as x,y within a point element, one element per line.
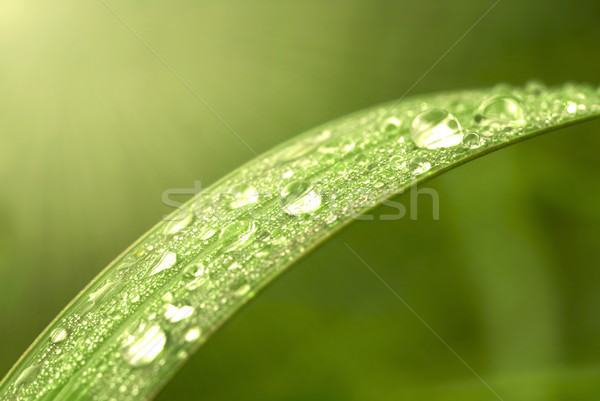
<point>501,110</point>
<point>166,262</point>
<point>419,165</point>
<point>435,128</point>
<point>391,124</point>
<point>175,314</point>
<point>398,162</point>
<point>535,87</point>
<point>195,270</point>
<point>339,168</point>
<point>192,334</point>
<point>178,221</point>
<point>361,159</point>
<point>472,140</point>
<point>243,194</point>
<point>58,335</point>
<point>205,232</point>
<point>571,107</point>
<point>299,198</point>
<point>26,375</point>
<point>337,145</point>
<point>287,173</point>
<point>101,291</point>
<point>295,152</point>
<point>199,283</point>
<point>237,234</point>
<point>240,287</point>
<point>143,344</point>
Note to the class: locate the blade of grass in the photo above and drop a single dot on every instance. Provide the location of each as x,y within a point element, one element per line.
<point>126,333</point>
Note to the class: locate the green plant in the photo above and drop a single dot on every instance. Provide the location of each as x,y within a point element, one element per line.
<point>127,332</point>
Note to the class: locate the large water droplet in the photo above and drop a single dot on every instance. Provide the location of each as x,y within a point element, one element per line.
<point>175,314</point>
<point>243,194</point>
<point>58,335</point>
<point>179,221</point>
<point>237,234</point>
<point>166,262</point>
<point>435,128</point>
<point>142,345</point>
<point>299,198</point>
<point>501,110</point>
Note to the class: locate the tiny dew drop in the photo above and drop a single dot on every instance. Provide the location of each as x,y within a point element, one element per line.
<point>472,140</point>
<point>178,221</point>
<point>435,128</point>
<point>501,110</point>
<point>143,344</point>
<point>166,262</point>
<point>419,165</point>
<point>299,198</point>
<point>58,335</point>
<point>243,194</point>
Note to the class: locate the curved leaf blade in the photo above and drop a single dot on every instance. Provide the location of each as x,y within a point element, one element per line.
<point>136,323</point>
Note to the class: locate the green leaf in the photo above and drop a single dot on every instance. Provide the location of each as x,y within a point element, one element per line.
<point>126,333</point>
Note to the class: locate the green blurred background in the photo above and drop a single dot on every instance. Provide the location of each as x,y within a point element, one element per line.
<point>93,128</point>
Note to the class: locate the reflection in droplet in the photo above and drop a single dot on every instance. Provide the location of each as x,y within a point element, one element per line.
<point>299,198</point>
<point>435,128</point>
<point>143,344</point>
